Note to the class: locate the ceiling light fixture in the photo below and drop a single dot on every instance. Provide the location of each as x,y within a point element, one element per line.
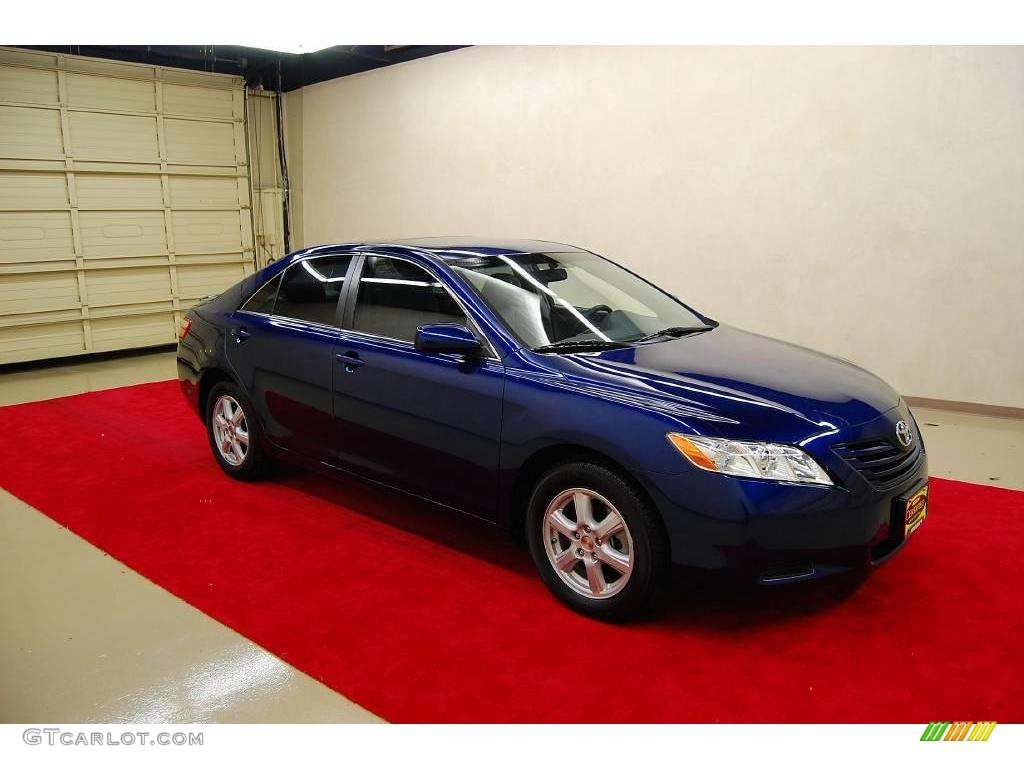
<point>292,48</point>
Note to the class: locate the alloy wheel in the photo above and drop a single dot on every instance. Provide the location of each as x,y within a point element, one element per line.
<point>230,430</point>
<point>588,543</point>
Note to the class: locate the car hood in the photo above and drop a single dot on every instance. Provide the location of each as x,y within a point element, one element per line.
<point>744,383</point>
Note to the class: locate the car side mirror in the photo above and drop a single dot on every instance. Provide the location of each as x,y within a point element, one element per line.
<point>446,337</point>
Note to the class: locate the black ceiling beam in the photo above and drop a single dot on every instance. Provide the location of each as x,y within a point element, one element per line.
<point>257,65</point>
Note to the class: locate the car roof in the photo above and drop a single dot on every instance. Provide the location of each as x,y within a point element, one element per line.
<point>485,245</point>
<point>462,246</point>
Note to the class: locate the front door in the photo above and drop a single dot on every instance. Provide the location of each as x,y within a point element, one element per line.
<point>427,423</point>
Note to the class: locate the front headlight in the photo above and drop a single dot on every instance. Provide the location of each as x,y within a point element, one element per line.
<point>742,458</point>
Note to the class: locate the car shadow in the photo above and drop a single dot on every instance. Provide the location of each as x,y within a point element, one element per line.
<point>717,602</point>
<point>698,600</point>
<point>440,525</point>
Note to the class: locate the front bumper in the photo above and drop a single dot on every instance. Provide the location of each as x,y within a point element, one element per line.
<point>778,532</point>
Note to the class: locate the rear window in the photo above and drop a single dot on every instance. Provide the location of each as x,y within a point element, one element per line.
<point>262,302</point>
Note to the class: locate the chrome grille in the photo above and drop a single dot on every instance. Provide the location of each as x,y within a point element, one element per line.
<point>882,463</point>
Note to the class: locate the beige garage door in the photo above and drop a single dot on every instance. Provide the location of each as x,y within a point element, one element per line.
<point>124,198</point>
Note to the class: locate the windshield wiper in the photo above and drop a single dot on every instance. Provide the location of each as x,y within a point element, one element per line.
<point>581,345</point>
<point>674,332</point>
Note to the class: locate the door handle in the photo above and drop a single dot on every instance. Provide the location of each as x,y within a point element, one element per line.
<point>240,335</point>
<point>350,360</point>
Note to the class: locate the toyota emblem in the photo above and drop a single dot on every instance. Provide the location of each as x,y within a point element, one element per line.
<point>903,434</point>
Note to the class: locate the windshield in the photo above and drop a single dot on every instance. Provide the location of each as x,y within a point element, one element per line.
<point>560,298</point>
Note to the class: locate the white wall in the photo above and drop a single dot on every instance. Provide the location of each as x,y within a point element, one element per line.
<point>864,201</point>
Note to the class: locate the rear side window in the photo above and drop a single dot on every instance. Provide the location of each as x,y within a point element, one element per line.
<point>310,289</point>
<point>395,297</point>
<point>262,302</point>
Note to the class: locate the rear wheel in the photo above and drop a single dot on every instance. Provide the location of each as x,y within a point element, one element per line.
<point>596,542</point>
<point>234,432</point>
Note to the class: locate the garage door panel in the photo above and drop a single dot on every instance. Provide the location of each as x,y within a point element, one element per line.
<point>30,132</point>
<point>194,282</point>
<point>107,234</point>
<point>120,191</point>
<point>38,291</point>
<point>199,143</point>
<point>91,91</point>
<point>97,136</point>
<point>196,259</point>
<point>204,191</point>
<point>36,236</point>
<point>112,287</point>
<point>33,86</point>
<point>109,68</point>
<point>21,191</point>
<point>132,331</point>
<point>23,342</point>
<point>198,101</point>
<point>207,231</point>
<point>103,248</point>
<point>20,57</point>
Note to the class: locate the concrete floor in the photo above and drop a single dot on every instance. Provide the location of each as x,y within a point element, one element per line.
<point>85,639</point>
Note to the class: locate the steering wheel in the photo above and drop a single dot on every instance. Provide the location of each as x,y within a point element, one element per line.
<point>603,309</point>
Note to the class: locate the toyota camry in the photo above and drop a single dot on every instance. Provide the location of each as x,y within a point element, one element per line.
<point>565,399</point>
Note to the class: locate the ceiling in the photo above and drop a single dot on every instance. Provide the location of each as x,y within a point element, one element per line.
<point>258,65</point>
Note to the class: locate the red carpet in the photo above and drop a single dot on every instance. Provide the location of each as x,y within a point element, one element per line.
<point>420,615</point>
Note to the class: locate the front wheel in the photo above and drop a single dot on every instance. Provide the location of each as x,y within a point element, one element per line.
<point>596,542</point>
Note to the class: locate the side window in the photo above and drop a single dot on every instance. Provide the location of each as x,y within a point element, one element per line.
<point>395,297</point>
<point>262,302</point>
<point>310,289</point>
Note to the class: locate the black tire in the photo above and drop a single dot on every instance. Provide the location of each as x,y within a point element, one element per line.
<point>649,577</point>
<point>256,462</point>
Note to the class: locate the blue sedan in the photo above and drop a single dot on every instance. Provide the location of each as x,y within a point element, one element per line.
<point>563,398</point>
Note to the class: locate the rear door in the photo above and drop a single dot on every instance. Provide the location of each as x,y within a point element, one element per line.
<point>428,423</point>
<point>281,345</point>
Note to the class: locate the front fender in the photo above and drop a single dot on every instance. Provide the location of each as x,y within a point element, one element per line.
<point>542,411</point>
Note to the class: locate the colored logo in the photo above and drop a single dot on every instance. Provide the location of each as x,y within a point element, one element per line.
<point>959,731</point>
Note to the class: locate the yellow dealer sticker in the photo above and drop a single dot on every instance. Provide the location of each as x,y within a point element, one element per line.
<point>916,511</point>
